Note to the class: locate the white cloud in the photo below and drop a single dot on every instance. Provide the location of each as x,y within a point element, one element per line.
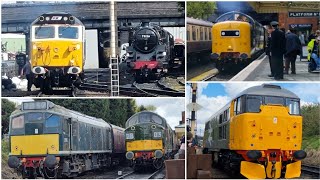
<point>168,108</point>
<point>233,89</point>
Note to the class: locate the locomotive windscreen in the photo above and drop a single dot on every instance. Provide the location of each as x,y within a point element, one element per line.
<point>146,40</point>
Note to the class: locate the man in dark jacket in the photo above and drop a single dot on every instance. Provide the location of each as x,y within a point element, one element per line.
<point>278,45</point>
<point>268,49</point>
<point>293,48</point>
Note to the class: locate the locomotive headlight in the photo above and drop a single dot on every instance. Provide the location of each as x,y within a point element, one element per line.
<point>65,18</point>
<point>129,155</point>
<point>47,18</point>
<point>223,33</point>
<point>164,53</point>
<point>78,46</point>
<point>129,136</point>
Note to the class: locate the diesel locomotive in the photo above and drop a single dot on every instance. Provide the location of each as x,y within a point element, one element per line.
<point>258,133</point>
<point>150,53</point>
<point>237,40</point>
<point>57,51</point>
<point>149,140</point>
<point>51,141</point>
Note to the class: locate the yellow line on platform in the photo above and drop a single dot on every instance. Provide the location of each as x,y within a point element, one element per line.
<point>205,75</point>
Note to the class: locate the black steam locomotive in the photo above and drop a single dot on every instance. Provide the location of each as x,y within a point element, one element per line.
<point>150,52</point>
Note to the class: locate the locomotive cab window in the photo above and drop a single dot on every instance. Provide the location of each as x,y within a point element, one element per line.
<point>274,100</point>
<point>44,32</point>
<point>52,121</point>
<point>67,32</point>
<point>254,103</point>
<point>294,106</point>
<point>17,122</point>
<point>34,117</point>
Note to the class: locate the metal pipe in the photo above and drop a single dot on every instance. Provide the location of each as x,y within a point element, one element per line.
<point>113,29</point>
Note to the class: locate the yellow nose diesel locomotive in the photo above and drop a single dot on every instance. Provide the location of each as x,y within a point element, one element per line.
<point>57,50</point>
<point>237,40</point>
<point>51,141</point>
<point>258,133</point>
<point>149,140</point>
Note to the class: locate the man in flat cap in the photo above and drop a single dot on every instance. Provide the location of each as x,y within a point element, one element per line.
<point>278,47</point>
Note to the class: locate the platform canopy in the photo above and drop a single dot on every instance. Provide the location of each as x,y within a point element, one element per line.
<point>289,6</point>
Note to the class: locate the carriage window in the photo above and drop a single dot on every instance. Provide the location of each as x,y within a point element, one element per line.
<point>210,34</point>
<point>194,36</point>
<point>206,33</point>
<point>188,35</point>
<point>18,122</point>
<point>254,103</point>
<point>68,32</point>
<point>34,117</point>
<point>273,100</point>
<point>44,32</point>
<point>201,33</point>
<point>53,121</point>
<point>294,106</point>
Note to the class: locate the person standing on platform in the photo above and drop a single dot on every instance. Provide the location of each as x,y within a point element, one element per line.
<point>26,70</point>
<point>268,49</point>
<point>293,48</point>
<point>278,45</point>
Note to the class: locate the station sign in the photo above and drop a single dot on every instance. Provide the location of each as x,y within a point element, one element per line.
<point>303,14</point>
<point>295,26</point>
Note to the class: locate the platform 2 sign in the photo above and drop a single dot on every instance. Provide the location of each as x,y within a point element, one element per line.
<point>304,14</point>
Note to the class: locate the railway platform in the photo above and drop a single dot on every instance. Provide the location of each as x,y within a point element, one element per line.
<point>262,70</point>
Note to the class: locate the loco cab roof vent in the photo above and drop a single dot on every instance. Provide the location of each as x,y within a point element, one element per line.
<point>271,86</point>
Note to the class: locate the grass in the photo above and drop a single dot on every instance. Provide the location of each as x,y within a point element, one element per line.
<point>311,142</point>
<point>4,151</point>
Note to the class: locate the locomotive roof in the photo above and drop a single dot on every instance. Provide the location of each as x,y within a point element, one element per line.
<point>136,114</point>
<point>62,14</point>
<point>66,112</point>
<point>269,90</point>
<point>199,22</point>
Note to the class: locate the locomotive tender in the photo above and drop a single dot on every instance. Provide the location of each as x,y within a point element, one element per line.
<point>150,53</point>
<point>237,40</point>
<point>51,141</point>
<point>149,140</point>
<point>57,51</point>
<point>258,133</point>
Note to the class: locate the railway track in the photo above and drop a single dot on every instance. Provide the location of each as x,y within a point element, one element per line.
<point>138,175</point>
<point>314,171</point>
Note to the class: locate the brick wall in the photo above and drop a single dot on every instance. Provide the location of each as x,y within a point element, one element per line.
<point>284,21</point>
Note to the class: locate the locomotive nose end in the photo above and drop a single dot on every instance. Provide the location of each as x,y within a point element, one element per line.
<point>301,154</point>
<point>13,162</point>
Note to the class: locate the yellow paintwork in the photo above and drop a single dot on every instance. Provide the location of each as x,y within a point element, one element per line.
<point>252,170</point>
<point>272,128</point>
<point>57,53</point>
<point>144,145</point>
<point>35,144</point>
<point>293,170</point>
<point>241,44</point>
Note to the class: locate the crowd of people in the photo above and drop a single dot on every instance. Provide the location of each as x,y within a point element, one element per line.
<point>284,47</point>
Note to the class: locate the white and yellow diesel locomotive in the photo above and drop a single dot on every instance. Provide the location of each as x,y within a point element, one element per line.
<point>258,133</point>
<point>237,40</point>
<point>57,50</point>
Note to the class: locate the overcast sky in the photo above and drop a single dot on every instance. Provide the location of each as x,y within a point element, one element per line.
<point>168,108</point>
<point>214,96</point>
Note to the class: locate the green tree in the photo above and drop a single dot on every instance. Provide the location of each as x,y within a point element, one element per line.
<point>311,119</point>
<point>7,107</point>
<point>202,9</point>
<point>146,108</point>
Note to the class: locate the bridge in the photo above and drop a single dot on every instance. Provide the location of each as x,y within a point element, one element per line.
<point>16,18</point>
